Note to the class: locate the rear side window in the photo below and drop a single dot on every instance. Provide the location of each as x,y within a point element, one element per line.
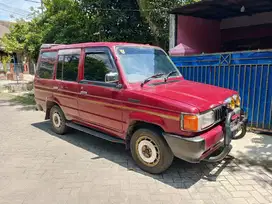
<point>46,65</point>
<point>67,68</point>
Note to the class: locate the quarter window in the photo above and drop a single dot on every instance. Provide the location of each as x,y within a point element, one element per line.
<point>98,66</point>
<point>46,65</point>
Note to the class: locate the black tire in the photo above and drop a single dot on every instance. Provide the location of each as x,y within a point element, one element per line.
<point>61,128</point>
<point>164,155</point>
<point>241,135</point>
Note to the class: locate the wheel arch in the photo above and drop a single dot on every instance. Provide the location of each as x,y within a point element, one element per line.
<point>49,104</point>
<point>137,124</point>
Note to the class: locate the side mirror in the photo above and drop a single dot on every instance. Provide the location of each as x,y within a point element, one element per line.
<point>111,77</point>
<point>119,86</point>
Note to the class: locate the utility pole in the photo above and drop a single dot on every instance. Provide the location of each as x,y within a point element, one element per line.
<point>42,6</point>
<point>39,2</point>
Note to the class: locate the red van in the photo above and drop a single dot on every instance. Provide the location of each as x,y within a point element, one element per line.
<point>134,94</point>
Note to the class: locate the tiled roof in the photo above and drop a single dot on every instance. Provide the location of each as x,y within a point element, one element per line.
<point>3,30</point>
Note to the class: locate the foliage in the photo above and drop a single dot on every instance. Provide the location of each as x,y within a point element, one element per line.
<point>64,22</point>
<point>117,20</point>
<point>5,60</point>
<point>74,21</point>
<point>156,13</point>
<point>23,38</point>
<point>14,41</point>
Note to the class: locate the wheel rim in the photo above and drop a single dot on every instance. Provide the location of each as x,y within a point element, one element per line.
<point>239,132</point>
<point>147,151</point>
<point>56,120</point>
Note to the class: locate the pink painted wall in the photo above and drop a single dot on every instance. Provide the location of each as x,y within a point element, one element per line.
<point>197,35</point>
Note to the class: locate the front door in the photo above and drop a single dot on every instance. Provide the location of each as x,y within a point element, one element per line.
<point>98,94</point>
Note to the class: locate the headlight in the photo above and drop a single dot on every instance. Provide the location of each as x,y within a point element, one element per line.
<point>237,100</point>
<point>233,101</point>
<point>197,122</point>
<point>206,119</point>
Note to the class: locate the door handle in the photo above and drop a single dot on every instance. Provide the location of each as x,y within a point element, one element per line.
<point>83,93</point>
<point>55,87</point>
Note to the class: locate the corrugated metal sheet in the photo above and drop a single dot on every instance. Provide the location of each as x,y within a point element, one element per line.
<point>249,73</point>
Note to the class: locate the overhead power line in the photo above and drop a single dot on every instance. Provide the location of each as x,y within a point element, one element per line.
<point>131,10</point>
<point>14,12</point>
<point>39,2</point>
<point>33,1</point>
<point>14,9</point>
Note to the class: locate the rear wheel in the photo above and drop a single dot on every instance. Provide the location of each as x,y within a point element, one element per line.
<point>58,120</point>
<point>150,151</point>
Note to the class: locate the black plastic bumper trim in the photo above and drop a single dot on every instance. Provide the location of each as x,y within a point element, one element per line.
<point>188,149</point>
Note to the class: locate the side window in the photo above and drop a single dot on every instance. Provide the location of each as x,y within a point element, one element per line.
<point>46,65</point>
<point>98,67</point>
<point>67,67</point>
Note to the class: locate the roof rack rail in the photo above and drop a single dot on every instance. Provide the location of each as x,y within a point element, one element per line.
<point>45,46</point>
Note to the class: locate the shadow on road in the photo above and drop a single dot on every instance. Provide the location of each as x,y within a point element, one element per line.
<point>180,175</point>
<point>259,152</point>
<point>24,102</point>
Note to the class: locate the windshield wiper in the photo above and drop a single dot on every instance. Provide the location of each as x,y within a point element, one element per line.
<point>170,74</point>
<point>151,77</point>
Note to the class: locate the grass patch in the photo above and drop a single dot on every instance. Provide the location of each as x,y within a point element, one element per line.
<point>25,99</point>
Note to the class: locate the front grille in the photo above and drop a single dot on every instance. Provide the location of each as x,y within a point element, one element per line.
<point>219,113</point>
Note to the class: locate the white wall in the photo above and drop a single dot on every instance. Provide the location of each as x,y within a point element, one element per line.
<point>172,30</point>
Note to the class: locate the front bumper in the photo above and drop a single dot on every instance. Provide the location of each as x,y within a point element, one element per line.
<point>194,149</point>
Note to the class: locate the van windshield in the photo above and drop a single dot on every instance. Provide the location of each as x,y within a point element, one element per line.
<point>140,63</point>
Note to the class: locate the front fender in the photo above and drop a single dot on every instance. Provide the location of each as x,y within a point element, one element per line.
<point>148,118</point>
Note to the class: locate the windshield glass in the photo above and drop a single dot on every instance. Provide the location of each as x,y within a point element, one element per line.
<point>140,63</point>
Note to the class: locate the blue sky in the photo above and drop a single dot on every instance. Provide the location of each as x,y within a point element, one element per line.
<point>16,8</point>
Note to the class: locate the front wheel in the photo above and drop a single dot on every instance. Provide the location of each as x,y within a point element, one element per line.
<point>240,134</point>
<point>150,151</point>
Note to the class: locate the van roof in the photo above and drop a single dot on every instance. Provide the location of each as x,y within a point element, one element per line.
<point>88,44</point>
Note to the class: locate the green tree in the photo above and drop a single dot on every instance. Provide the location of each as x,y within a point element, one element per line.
<point>117,20</point>
<point>156,13</point>
<point>15,40</point>
<point>5,60</point>
<point>75,21</point>
<point>64,22</point>
<point>23,38</point>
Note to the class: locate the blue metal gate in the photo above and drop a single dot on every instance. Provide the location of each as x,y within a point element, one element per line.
<point>249,73</point>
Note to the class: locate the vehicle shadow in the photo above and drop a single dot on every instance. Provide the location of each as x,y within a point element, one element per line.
<point>180,175</point>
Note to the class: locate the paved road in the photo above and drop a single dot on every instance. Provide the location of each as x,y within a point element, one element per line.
<point>38,166</point>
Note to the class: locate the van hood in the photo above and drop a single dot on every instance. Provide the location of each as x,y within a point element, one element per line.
<point>201,96</point>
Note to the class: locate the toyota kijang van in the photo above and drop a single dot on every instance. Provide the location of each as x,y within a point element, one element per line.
<point>134,94</point>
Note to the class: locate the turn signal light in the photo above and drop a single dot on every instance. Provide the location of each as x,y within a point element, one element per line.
<point>238,102</point>
<point>190,122</point>
<point>232,104</point>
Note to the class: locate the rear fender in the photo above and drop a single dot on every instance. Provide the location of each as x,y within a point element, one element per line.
<point>50,102</point>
